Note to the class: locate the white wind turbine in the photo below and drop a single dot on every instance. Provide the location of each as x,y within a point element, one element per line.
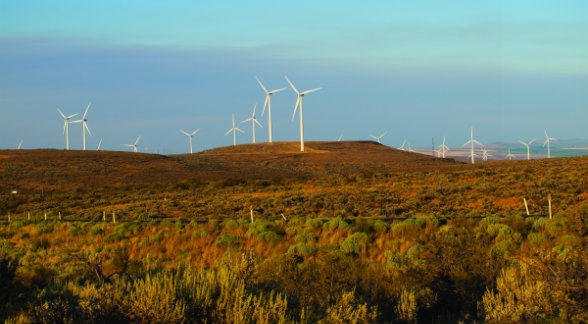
<point>528,145</point>
<point>253,122</point>
<point>410,148</point>
<point>485,154</point>
<point>473,142</point>
<point>340,138</point>
<point>234,130</point>
<point>509,155</point>
<point>190,136</point>
<point>379,138</point>
<point>268,103</point>
<point>548,142</point>
<point>19,145</point>
<point>66,123</point>
<point>299,103</point>
<point>134,146</point>
<point>443,148</point>
<point>84,126</point>
<point>99,143</point>
<point>402,146</point>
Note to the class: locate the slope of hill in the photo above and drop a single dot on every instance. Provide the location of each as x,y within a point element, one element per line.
<point>57,170</point>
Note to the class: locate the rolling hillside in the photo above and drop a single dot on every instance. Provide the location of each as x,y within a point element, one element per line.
<point>58,170</point>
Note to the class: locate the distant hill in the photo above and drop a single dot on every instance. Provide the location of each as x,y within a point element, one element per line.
<point>58,170</point>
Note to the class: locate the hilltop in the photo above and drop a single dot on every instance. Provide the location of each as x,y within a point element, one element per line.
<point>59,170</point>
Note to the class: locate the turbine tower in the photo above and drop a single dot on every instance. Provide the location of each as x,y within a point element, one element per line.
<point>253,121</point>
<point>509,155</point>
<point>66,123</point>
<point>443,148</point>
<point>299,102</point>
<point>473,142</point>
<point>134,146</point>
<point>379,138</point>
<point>528,145</point>
<point>548,142</point>
<point>84,125</point>
<point>268,103</point>
<point>234,130</point>
<point>190,136</point>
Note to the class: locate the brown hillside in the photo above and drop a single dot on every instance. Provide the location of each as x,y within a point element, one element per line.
<point>59,170</point>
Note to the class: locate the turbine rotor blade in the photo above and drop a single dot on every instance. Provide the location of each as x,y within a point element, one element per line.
<point>294,88</point>
<point>312,90</point>
<point>533,140</point>
<point>264,89</point>
<point>277,90</point>
<point>296,107</point>
<point>384,134</point>
<point>88,129</point>
<point>185,133</point>
<point>85,112</point>
<point>228,132</point>
<point>265,104</point>
<point>522,142</point>
<point>255,120</point>
<point>239,129</point>
<point>194,132</point>
<point>61,113</point>
<point>137,141</point>
<point>246,120</point>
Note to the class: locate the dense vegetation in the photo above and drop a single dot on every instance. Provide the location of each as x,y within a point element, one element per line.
<point>490,189</point>
<point>423,270</point>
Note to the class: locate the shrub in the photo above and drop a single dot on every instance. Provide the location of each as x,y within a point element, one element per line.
<point>227,240</point>
<point>302,249</point>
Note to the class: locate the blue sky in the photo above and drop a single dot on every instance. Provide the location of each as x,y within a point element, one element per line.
<point>414,68</point>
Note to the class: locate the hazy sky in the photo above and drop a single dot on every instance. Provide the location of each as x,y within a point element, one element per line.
<point>414,68</point>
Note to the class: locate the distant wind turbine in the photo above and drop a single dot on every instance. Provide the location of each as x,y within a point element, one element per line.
<point>268,103</point>
<point>84,126</point>
<point>234,130</point>
<point>509,155</point>
<point>528,145</point>
<point>410,148</point>
<point>19,145</point>
<point>253,122</point>
<point>190,136</point>
<point>443,148</point>
<point>473,142</point>
<point>340,137</point>
<point>299,103</point>
<point>485,154</point>
<point>402,146</point>
<point>548,142</point>
<point>99,143</point>
<point>134,146</point>
<point>379,138</point>
<point>66,123</point>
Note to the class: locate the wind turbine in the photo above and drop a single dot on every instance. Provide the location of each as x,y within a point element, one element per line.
<point>402,146</point>
<point>528,145</point>
<point>485,154</point>
<point>99,143</point>
<point>268,103</point>
<point>190,136</point>
<point>410,148</point>
<point>473,142</point>
<point>84,125</point>
<point>443,148</point>
<point>253,121</point>
<point>379,138</point>
<point>509,155</point>
<point>234,130</point>
<point>299,102</point>
<point>548,142</point>
<point>134,146</point>
<point>19,145</point>
<point>340,137</point>
<point>66,127</point>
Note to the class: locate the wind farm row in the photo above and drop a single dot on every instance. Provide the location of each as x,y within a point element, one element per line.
<point>476,148</point>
